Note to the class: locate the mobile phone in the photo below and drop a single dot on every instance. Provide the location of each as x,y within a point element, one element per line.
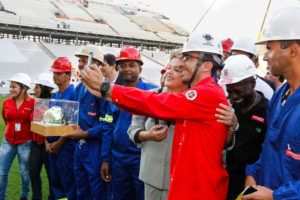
<point>249,190</point>
<point>90,59</point>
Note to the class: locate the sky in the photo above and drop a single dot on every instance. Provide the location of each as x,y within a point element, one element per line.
<point>226,18</point>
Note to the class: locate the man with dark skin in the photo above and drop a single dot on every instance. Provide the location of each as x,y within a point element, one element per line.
<point>124,158</point>
<point>276,174</point>
<point>250,108</point>
<point>61,150</point>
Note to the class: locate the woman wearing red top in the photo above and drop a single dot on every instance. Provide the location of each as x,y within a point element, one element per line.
<point>16,112</point>
<point>38,155</point>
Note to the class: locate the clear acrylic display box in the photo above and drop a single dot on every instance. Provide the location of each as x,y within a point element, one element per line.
<point>54,117</point>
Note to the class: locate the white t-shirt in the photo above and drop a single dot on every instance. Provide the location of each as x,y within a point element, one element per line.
<point>264,87</point>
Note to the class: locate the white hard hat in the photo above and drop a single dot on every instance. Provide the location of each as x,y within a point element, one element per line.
<point>246,45</point>
<point>206,43</point>
<point>237,68</point>
<point>97,53</point>
<point>284,25</point>
<point>45,79</point>
<point>21,78</point>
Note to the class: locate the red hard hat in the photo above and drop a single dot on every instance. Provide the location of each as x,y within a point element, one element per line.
<point>61,64</point>
<point>129,53</point>
<point>165,68</point>
<point>227,44</point>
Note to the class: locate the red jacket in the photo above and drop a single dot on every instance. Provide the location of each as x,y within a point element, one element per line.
<point>196,164</point>
<point>11,115</point>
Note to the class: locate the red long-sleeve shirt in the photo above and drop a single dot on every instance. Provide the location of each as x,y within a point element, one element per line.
<point>196,164</point>
<point>11,116</point>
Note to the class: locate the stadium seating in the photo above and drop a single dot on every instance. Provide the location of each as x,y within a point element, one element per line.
<point>172,38</point>
<point>158,56</point>
<point>126,28</point>
<point>149,23</point>
<point>179,30</point>
<point>73,11</point>
<point>29,57</point>
<point>111,18</point>
<point>32,12</point>
<point>88,27</point>
<point>24,56</point>
<point>124,19</point>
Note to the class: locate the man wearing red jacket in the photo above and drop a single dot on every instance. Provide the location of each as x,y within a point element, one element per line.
<point>196,165</point>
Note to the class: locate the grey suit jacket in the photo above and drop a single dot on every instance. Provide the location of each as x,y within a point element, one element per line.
<point>156,156</point>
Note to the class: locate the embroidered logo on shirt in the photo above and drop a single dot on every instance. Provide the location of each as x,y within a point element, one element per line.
<point>191,95</point>
<point>258,130</point>
<point>257,118</point>
<point>291,154</point>
<point>92,113</point>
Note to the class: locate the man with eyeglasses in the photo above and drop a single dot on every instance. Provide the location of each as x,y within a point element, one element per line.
<point>196,163</point>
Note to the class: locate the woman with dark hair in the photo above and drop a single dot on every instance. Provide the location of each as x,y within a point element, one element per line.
<point>38,155</point>
<point>16,113</point>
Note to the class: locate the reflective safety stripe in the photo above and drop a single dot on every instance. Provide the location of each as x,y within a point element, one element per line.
<point>65,198</point>
<point>108,118</point>
<point>101,119</point>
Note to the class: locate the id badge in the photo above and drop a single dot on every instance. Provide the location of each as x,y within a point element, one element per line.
<point>17,127</point>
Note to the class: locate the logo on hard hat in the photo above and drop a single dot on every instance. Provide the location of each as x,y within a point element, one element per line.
<point>226,81</point>
<point>191,95</point>
<point>226,72</point>
<point>208,40</point>
<point>208,37</point>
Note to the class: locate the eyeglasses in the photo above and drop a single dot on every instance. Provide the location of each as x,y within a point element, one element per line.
<point>186,57</point>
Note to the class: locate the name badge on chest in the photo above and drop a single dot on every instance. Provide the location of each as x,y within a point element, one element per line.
<point>17,127</point>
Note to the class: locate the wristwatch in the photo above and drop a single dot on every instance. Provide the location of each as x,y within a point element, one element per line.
<point>104,88</point>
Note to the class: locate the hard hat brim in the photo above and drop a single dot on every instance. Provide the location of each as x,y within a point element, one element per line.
<point>58,70</point>
<point>227,81</point>
<point>78,55</point>
<point>48,85</point>
<point>20,83</point>
<point>134,59</point>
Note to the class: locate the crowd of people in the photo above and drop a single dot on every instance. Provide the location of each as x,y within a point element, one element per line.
<point>211,129</point>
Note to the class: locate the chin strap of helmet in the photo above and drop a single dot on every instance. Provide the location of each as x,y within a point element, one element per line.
<point>200,61</point>
<point>196,69</point>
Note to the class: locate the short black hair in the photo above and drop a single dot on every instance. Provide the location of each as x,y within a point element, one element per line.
<point>209,58</point>
<point>110,59</point>
<point>286,43</point>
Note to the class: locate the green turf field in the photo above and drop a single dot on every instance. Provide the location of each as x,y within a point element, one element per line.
<point>14,182</point>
